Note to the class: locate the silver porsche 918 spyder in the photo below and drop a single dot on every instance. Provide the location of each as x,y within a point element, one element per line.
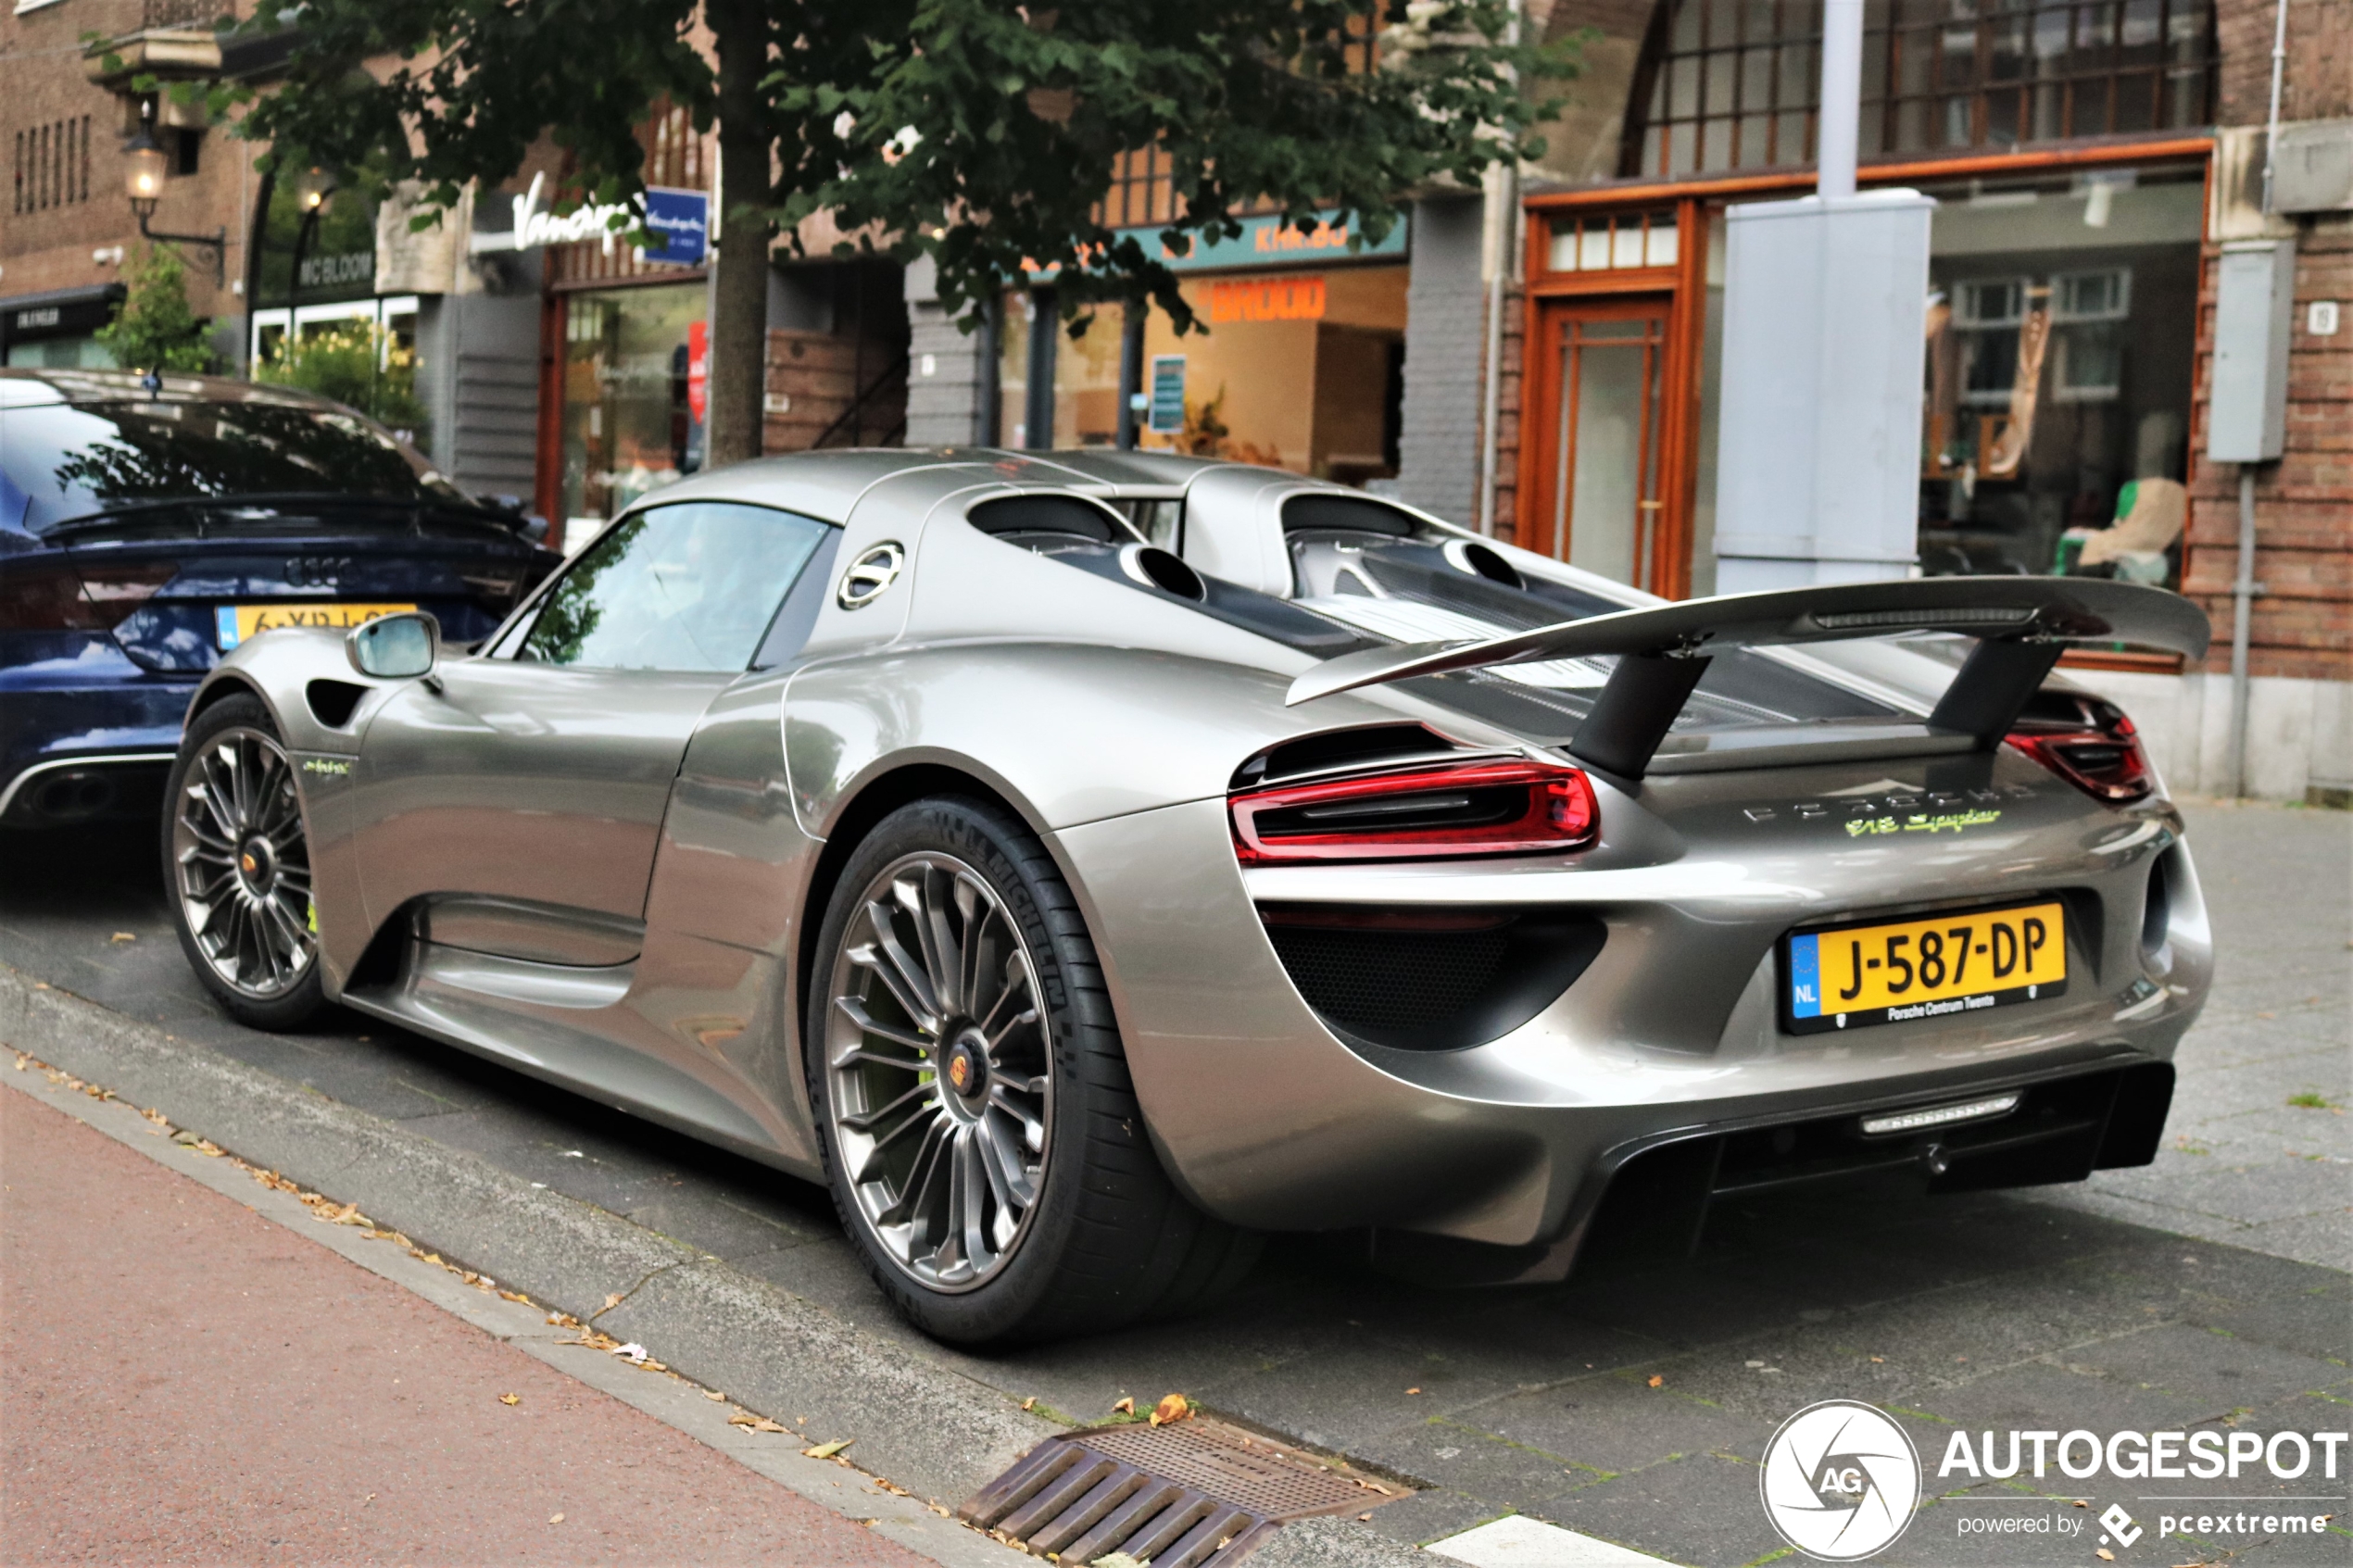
<point>1086,863</point>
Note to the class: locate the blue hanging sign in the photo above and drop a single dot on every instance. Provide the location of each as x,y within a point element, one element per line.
<point>677,225</point>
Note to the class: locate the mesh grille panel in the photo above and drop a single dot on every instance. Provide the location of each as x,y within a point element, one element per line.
<point>1389,979</point>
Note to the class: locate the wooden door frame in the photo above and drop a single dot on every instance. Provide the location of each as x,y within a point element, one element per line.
<point>1684,286</point>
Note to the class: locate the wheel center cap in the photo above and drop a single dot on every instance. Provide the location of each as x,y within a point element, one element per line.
<point>966,1069</point>
<point>256,864</point>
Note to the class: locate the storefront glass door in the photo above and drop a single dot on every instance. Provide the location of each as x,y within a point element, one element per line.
<point>1598,503</point>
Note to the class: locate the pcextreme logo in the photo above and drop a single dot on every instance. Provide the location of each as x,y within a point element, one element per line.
<point>1840,1480</point>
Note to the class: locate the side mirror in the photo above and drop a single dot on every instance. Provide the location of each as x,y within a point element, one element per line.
<point>395,647</point>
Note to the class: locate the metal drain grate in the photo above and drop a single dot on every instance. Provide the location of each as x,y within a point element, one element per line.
<point>1196,1494</point>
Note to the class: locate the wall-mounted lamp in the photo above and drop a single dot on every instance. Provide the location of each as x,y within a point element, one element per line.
<point>313,186</point>
<point>145,169</point>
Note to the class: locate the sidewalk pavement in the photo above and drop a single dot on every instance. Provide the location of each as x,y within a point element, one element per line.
<point>188,1382</point>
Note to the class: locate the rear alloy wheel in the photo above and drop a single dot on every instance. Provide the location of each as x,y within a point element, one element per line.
<point>939,1063</point>
<point>982,1139</point>
<point>237,867</point>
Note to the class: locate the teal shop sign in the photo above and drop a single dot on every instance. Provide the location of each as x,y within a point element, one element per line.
<point>1265,242</point>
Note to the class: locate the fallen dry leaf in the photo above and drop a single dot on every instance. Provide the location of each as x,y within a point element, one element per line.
<point>827,1451</point>
<point>611,1301</point>
<point>1879,1358</point>
<point>124,937</point>
<point>1030,1403</point>
<point>510,1399</point>
<point>2082,1503</point>
<point>1413,1390</point>
<point>715,1395</point>
<point>1172,1406</point>
<point>555,1519</point>
<point>2104,1554</point>
<point>754,1423</point>
<point>1125,1407</point>
<point>1656,1381</point>
<point>516,1296</point>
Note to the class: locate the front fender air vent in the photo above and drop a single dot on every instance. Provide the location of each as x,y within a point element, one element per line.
<point>331,702</point>
<point>1429,979</point>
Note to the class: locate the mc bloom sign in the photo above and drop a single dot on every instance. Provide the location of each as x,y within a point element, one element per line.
<point>679,220</point>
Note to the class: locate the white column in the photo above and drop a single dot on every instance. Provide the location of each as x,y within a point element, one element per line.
<point>1842,97</point>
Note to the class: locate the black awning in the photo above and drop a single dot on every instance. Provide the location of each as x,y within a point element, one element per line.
<point>57,312</point>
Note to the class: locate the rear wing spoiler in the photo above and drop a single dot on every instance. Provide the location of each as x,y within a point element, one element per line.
<point>2022,624</point>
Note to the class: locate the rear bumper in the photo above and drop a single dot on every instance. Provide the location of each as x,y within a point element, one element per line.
<point>1270,1118</point>
<point>79,749</point>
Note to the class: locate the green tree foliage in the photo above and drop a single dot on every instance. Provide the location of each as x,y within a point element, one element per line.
<point>980,134</point>
<point>987,135</point>
<point>356,364</point>
<point>153,328</point>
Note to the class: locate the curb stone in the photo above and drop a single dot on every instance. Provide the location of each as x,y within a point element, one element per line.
<point>783,1354</point>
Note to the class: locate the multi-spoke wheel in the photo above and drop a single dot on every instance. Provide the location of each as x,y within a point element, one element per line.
<point>237,867</point>
<point>984,1145</point>
<point>939,1066</point>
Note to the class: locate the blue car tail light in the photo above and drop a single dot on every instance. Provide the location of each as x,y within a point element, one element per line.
<point>53,596</point>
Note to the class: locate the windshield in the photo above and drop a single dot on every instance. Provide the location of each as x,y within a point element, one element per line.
<point>1411,590</point>
<point>64,460</point>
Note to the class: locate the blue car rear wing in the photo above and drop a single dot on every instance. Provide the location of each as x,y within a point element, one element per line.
<point>2022,624</point>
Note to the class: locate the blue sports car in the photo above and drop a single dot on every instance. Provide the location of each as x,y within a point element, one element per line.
<point>148,524</point>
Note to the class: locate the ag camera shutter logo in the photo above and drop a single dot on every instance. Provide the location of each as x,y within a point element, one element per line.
<point>1840,1480</point>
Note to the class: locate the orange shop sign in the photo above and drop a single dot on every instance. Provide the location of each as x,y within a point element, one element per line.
<point>1267,299</point>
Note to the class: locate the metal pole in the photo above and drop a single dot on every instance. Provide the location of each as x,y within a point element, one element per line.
<point>1131,369</point>
<point>2279,68</point>
<point>1502,263</point>
<point>1038,412</point>
<point>2243,592</point>
<point>988,384</point>
<point>1506,181</point>
<point>1842,97</point>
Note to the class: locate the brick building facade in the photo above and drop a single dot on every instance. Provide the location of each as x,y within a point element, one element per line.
<point>70,228</point>
<point>1688,107</point>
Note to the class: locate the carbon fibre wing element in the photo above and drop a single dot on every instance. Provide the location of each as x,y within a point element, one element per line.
<point>2022,624</point>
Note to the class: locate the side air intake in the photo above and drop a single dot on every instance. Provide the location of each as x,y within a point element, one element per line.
<point>1429,980</point>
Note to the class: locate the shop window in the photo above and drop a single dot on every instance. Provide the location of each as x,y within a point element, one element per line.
<point>1296,370</point>
<point>2061,355</point>
<point>627,429</point>
<point>1728,84</point>
<point>1609,240</point>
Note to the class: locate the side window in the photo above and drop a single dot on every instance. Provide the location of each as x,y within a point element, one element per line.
<point>688,587</point>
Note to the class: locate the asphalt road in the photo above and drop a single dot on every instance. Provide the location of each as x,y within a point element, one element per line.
<point>2209,1288</point>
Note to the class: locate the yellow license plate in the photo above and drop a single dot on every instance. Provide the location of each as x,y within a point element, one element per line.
<point>1894,971</point>
<point>236,622</point>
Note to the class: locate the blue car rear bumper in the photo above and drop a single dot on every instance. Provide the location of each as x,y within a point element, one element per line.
<point>84,732</point>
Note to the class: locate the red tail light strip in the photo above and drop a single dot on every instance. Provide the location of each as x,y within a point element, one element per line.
<point>2105,764</point>
<point>1515,808</point>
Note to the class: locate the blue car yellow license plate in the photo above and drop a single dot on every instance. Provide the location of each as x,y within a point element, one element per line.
<point>235,623</point>
<point>1895,972</point>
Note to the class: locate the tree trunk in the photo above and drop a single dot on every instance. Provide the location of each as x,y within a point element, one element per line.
<point>739,293</point>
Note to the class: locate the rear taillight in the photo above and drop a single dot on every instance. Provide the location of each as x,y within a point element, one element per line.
<point>54,597</point>
<point>1511,808</point>
<point>2105,762</point>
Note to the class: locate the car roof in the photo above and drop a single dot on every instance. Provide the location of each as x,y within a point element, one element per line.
<point>24,387</point>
